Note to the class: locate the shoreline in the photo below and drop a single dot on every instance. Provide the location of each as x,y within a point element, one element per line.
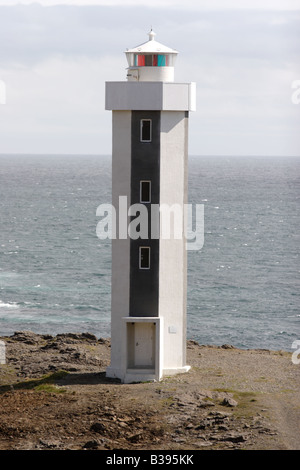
<point>55,395</point>
<point>107,337</point>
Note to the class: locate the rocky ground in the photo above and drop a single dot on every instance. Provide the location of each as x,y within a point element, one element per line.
<point>54,395</point>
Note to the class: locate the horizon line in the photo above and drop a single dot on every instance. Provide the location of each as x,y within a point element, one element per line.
<point>2,154</point>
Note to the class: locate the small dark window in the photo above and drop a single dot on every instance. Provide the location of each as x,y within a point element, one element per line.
<point>145,191</point>
<point>144,255</point>
<point>148,60</point>
<point>146,129</point>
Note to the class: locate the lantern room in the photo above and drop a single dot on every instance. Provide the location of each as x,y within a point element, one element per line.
<point>151,61</point>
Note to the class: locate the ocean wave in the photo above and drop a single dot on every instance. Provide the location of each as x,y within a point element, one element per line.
<point>8,304</point>
<point>87,307</point>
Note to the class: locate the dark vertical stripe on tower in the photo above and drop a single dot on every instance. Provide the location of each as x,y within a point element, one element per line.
<point>145,165</point>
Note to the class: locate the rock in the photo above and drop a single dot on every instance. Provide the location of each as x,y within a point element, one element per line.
<point>50,444</point>
<point>122,424</point>
<point>73,337</point>
<point>205,403</point>
<point>46,336</point>
<point>219,415</point>
<point>27,337</point>
<point>206,423</point>
<point>234,437</point>
<point>229,402</point>
<point>135,437</point>
<point>104,341</point>
<point>91,445</point>
<point>223,428</point>
<point>53,345</point>
<point>189,426</point>
<point>88,336</point>
<point>98,427</point>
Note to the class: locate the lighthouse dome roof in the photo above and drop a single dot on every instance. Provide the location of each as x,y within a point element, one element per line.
<point>152,46</point>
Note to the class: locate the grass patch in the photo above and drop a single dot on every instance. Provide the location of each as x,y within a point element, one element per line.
<point>45,383</point>
<point>247,401</point>
<point>238,395</point>
<point>7,374</point>
<point>167,401</point>
<point>49,388</point>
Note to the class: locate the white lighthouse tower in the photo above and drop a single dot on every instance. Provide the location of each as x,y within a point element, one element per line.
<point>149,166</point>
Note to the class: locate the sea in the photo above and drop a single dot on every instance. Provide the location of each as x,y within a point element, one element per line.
<point>243,284</point>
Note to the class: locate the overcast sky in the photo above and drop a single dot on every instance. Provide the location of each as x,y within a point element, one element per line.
<point>244,56</point>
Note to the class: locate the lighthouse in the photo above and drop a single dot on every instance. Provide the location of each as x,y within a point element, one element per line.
<point>150,114</point>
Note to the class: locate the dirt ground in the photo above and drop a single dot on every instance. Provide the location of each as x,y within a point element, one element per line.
<point>54,395</point>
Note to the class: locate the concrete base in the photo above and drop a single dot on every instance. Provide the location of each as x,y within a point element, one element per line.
<point>132,375</point>
<point>143,375</point>
<point>113,373</point>
<point>175,371</point>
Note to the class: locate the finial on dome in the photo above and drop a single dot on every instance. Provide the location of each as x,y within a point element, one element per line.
<point>151,35</point>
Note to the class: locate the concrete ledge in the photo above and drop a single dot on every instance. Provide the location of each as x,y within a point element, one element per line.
<point>143,375</point>
<point>140,375</point>
<point>177,370</point>
<point>150,96</point>
<point>132,375</point>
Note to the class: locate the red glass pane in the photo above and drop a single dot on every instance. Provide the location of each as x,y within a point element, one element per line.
<point>141,60</point>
